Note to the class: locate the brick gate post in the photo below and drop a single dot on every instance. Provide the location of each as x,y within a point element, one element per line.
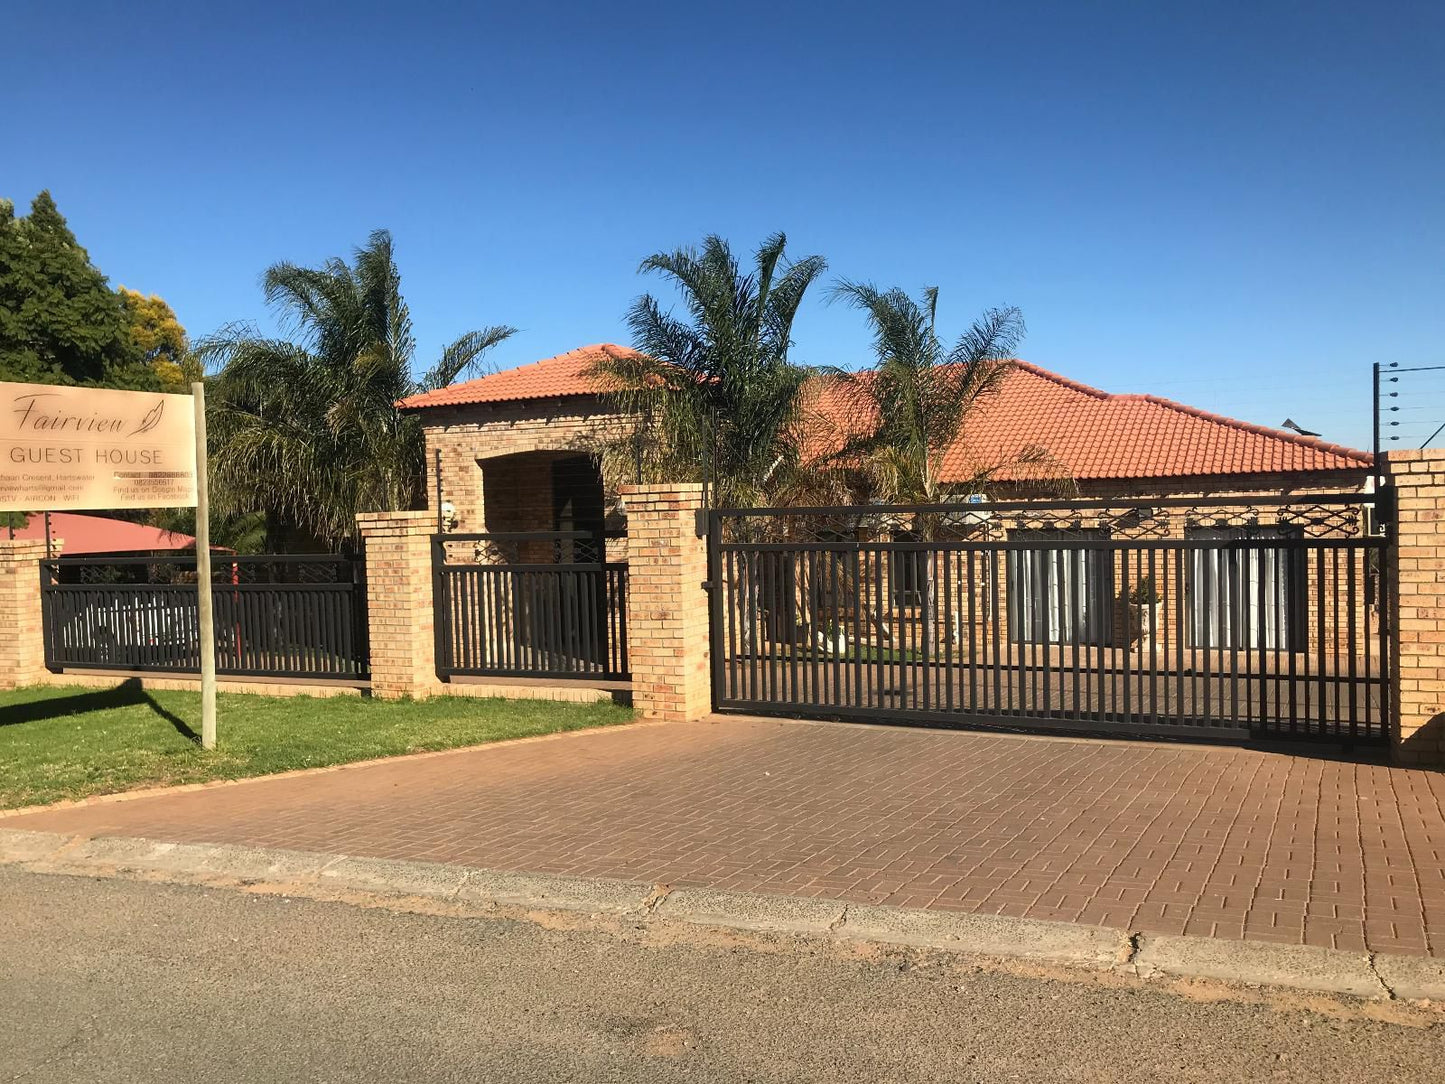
<point>667,605</point>
<point>400,619</point>
<point>22,644</point>
<point>1416,607</point>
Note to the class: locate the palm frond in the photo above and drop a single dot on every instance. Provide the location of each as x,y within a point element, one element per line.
<point>463,356</point>
<point>717,394</point>
<point>906,414</point>
<point>306,429</point>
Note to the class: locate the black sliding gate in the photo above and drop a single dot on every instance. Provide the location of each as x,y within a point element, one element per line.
<point>530,603</point>
<point>1172,618</point>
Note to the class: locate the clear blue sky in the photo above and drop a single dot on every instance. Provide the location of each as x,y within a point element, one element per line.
<point>1239,205</point>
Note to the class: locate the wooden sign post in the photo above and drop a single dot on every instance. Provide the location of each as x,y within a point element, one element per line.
<point>203,575</point>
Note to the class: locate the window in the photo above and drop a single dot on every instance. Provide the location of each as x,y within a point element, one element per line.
<point>1246,596</point>
<point>1060,593</point>
<point>907,572</point>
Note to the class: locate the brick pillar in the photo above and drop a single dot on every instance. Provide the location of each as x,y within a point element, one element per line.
<point>22,648</point>
<point>399,602</point>
<point>1416,563</point>
<point>667,606</point>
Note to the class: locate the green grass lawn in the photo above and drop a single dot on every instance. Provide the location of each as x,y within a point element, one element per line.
<point>60,743</point>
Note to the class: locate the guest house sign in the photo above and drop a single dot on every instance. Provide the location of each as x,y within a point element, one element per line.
<point>64,448</point>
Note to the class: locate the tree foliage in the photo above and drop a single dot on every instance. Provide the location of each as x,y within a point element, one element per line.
<point>715,393</point>
<point>306,428</point>
<point>60,323</point>
<point>240,532</point>
<point>161,340</point>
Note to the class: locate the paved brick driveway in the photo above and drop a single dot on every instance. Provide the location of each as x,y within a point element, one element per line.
<point>1171,839</point>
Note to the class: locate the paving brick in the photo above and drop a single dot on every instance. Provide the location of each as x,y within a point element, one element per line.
<point>952,821</point>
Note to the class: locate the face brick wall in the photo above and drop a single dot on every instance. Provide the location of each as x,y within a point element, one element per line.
<point>399,602</point>
<point>1418,604</point>
<point>22,646</point>
<point>466,436</point>
<point>667,606</point>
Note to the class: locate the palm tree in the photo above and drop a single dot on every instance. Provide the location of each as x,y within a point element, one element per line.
<point>306,428</point>
<point>714,392</point>
<point>902,417</point>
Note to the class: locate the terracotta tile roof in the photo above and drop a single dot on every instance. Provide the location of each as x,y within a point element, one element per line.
<point>551,378</point>
<point>98,534</point>
<point>1090,433</point>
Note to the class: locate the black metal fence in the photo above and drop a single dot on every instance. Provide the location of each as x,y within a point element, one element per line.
<point>533,603</point>
<point>1231,619</point>
<point>275,616</point>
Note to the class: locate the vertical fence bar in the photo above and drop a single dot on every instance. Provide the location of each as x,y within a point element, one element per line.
<point>788,595</point>
<point>971,609</point>
<point>1129,619</point>
<point>1156,618</point>
<point>1320,672</point>
<point>1238,605</point>
<point>1180,587</point>
<point>1337,622</point>
<point>1262,643</point>
<point>1382,604</point>
<point>837,626</point>
<point>733,611</point>
<point>441,636</point>
<point>860,624</point>
<point>994,559</point>
<point>1362,556</point>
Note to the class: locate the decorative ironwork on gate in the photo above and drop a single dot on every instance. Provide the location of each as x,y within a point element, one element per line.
<point>530,603</point>
<point>1230,618</point>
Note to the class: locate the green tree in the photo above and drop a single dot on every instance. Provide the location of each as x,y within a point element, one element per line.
<point>161,339</point>
<point>307,429</point>
<point>241,532</point>
<point>60,322</point>
<point>714,392</point>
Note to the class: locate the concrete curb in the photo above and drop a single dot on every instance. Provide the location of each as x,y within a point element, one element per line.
<point>1305,967</point>
<point>993,935</point>
<point>1098,948</point>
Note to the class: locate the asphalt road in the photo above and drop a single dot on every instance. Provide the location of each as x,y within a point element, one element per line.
<point>114,980</point>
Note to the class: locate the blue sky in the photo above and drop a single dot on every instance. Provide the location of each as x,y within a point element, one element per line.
<point>1238,205</point>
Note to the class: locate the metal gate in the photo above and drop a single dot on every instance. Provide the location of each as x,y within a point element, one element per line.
<point>533,603</point>
<point>1167,618</point>
<point>292,615</point>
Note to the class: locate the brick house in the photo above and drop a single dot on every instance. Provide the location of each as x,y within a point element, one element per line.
<point>514,447</point>
<point>514,451</point>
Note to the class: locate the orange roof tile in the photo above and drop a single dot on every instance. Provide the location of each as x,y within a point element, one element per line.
<point>1090,433</point>
<point>551,378</point>
<point>1093,434</point>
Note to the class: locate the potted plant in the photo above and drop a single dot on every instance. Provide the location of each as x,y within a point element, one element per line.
<point>1145,602</point>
